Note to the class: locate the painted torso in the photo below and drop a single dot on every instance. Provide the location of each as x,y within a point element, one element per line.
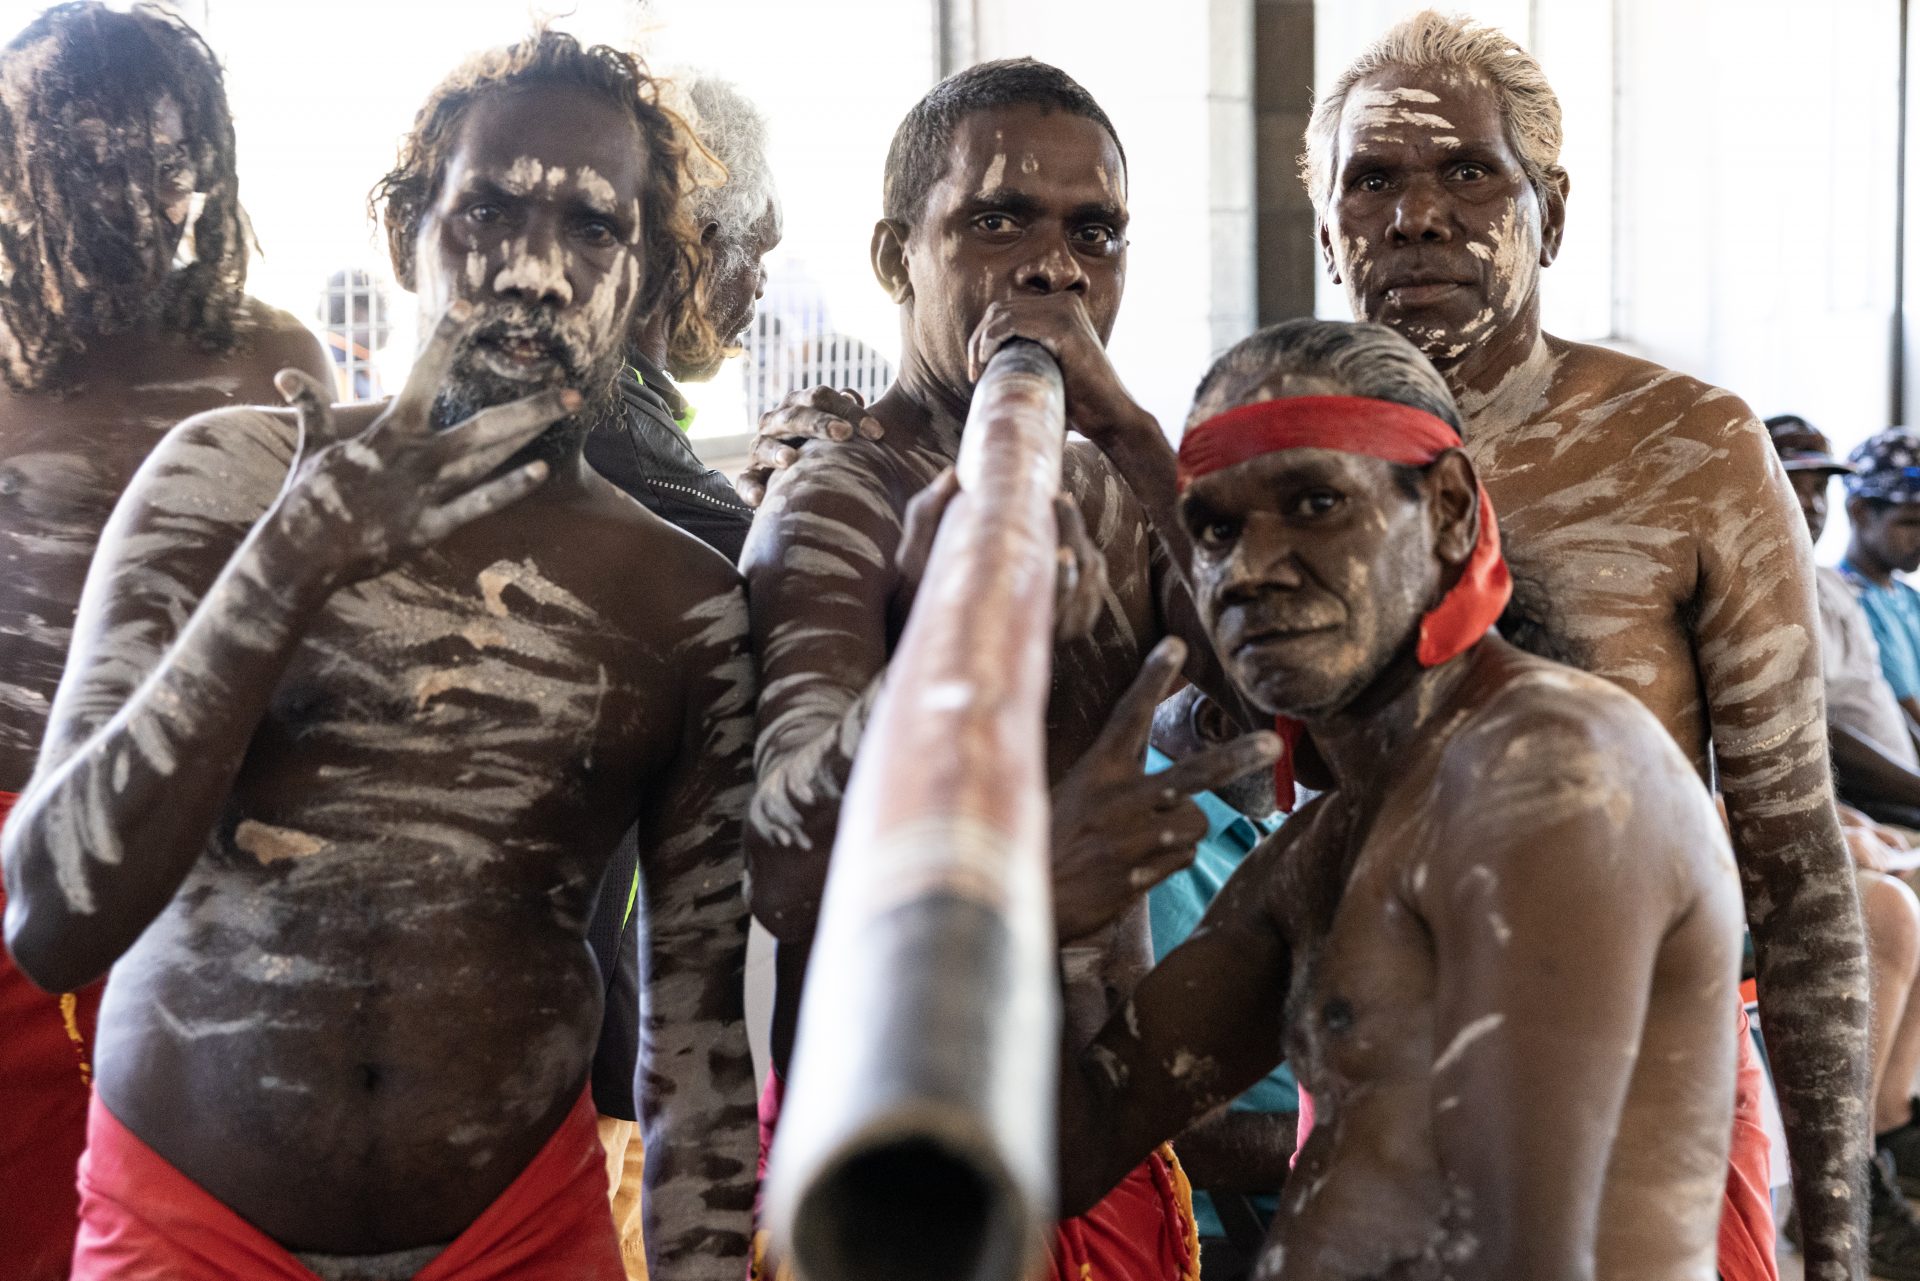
<point>66,457</point>
<point>872,483</point>
<point>375,980</point>
<point>1603,472</point>
<point>1365,889</point>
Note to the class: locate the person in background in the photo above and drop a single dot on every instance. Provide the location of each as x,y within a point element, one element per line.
<point>737,210</point>
<point>116,151</point>
<point>1236,1159</point>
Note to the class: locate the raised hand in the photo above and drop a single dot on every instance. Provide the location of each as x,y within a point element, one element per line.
<point>1119,831</point>
<point>362,502</point>
<point>1080,583</point>
<point>818,413</point>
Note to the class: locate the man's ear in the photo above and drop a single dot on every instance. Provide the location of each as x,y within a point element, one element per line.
<point>1212,721</point>
<point>1553,214</point>
<point>889,254</point>
<point>1326,250</point>
<point>709,233</point>
<point>1454,492</point>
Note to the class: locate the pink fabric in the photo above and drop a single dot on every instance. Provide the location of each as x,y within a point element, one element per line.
<point>143,1220</point>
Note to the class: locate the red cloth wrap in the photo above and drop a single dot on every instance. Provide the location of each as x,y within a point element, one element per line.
<point>1143,1230</point>
<point>143,1220</point>
<point>1746,1209</point>
<point>45,1062</point>
<point>1376,429</point>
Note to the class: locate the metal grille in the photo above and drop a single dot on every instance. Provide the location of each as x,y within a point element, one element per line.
<point>792,344</point>
<point>352,317</point>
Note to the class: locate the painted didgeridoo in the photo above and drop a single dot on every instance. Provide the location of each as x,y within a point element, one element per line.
<point>917,1135</point>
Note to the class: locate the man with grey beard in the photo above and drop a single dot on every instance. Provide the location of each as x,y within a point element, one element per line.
<point>1652,536</point>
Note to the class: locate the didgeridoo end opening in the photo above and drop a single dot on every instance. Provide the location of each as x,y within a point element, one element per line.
<point>912,1209</point>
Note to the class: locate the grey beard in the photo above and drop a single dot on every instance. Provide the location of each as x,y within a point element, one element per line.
<point>562,439</point>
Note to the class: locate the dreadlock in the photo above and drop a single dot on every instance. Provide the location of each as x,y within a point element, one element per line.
<point>675,262</point>
<point>85,248</point>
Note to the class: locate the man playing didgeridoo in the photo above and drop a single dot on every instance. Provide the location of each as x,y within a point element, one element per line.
<point>1005,203</point>
<point>1500,945</point>
<point>360,700</point>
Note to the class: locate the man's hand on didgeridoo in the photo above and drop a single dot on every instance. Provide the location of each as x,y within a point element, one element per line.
<point>1119,831</point>
<point>1080,580</point>
<point>818,413</point>
<point>358,504</point>
<point>1098,404</point>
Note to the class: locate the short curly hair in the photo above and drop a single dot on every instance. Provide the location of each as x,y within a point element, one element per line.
<point>82,245</point>
<point>675,261</point>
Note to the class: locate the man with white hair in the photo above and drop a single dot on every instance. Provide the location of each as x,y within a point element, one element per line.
<point>738,212</point>
<point>646,453</point>
<point>1652,535</point>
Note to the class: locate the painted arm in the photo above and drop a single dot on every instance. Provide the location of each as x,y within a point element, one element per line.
<point>1549,900</point>
<point>695,1081</point>
<point>1201,1027</point>
<point>194,606</point>
<point>1757,641</point>
<point>820,577</point>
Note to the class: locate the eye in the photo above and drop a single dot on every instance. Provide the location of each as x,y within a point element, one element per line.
<point>598,232</point>
<point>996,224</point>
<point>1098,237</point>
<point>1216,532</point>
<point>483,212</point>
<point>1315,503</point>
<point>1471,172</point>
<point>1372,182</point>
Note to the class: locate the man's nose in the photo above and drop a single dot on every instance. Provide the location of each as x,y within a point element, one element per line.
<point>534,270</point>
<point>1258,566</point>
<point>1421,214</point>
<point>1055,270</point>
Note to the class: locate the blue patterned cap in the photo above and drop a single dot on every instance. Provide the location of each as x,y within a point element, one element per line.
<point>1888,467</point>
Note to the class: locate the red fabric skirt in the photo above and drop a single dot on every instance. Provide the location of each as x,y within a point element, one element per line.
<point>46,1048</point>
<point>1143,1230</point>
<point>143,1220</point>
<point>1746,1213</point>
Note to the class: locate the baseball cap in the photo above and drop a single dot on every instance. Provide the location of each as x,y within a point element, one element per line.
<point>1802,446</point>
<point>1886,466</point>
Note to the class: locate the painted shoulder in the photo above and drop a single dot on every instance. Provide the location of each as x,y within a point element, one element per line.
<point>1683,403</point>
<point>1544,725</point>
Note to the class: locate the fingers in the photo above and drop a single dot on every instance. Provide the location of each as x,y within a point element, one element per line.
<point>770,454</point>
<point>751,485</point>
<point>1083,573</point>
<point>312,409</point>
<point>431,368</point>
<point>1125,734</point>
<point>923,522</point>
<point>1217,766</point>
<point>491,497</point>
<point>845,405</point>
<point>494,435</point>
<point>798,423</point>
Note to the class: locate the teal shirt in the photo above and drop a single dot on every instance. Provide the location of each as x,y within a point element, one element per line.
<point>1176,906</point>
<point>1894,614</point>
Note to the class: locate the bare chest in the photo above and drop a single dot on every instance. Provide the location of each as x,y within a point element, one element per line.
<point>1598,531</point>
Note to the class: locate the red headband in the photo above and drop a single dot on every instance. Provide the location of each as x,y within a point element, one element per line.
<point>1377,429</point>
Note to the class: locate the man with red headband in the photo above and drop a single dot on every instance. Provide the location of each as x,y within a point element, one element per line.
<point>1501,943</point>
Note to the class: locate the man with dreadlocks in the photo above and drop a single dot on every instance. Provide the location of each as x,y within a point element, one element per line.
<point>359,702</point>
<point>116,149</point>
